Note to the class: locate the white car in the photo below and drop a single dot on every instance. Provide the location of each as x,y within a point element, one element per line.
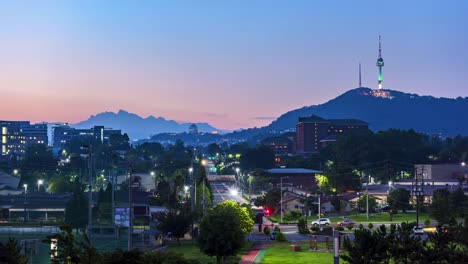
<point>321,221</point>
<point>417,230</point>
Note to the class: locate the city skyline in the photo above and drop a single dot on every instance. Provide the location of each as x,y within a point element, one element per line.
<point>233,65</point>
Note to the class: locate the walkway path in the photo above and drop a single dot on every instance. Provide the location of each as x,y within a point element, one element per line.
<point>251,254</point>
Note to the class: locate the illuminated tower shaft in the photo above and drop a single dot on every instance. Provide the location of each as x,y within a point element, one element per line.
<point>380,64</point>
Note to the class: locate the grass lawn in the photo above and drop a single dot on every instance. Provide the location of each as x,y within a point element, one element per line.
<point>385,217</point>
<point>279,252</point>
<point>192,251</point>
<point>277,218</point>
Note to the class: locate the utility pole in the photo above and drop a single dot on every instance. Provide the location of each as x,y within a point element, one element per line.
<point>90,191</point>
<point>130,205</point>
<point>192,201</point>
<point>418,191</point>
<point>281,191</point>
<point>367,197</point>
<point>203,196</point>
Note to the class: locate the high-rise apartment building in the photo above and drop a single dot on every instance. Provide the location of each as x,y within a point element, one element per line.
<point>17,135</point>
<point>62,134</point>
<point>314,133</point>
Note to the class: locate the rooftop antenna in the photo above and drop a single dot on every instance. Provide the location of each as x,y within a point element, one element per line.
<point>360,80</point>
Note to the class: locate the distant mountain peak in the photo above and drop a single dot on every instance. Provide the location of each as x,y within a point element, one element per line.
<point>136,126</point>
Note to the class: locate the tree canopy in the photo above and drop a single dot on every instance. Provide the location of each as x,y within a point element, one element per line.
<point>223,230</point>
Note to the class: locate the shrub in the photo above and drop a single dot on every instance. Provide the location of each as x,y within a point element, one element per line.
<point>267,231</point>
<point>277,229</point>
<point>314,228</point>
<point>301,224</point>
<point>292,215</point>
<point>361,226</point>
<point>339,228</point>
<point>281,237</point>
<point>370,226</point>
<point>304,231</point>
<point>350,227</point>
<point>427,223</point>
<point>327,227</point>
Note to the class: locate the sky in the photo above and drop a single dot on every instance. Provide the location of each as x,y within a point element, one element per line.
<point>233,64</point>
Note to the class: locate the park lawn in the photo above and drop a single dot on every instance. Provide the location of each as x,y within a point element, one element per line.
<point>279,252</point>
<point>191,251</point>
<point>277,218</point>
<point>385,217</point>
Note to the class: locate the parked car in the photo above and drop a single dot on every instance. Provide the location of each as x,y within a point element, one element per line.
<point>417,230</point>
<point>346,222</point>
<point>321,221</point>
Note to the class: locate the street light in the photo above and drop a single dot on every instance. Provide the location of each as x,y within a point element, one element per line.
<point>238,177</point>
<point>463,163</point>
<point>234,192</point>
<point>281,191</point>
<point>39,183</point>
<point>24,203</point>
<point>15,171</point>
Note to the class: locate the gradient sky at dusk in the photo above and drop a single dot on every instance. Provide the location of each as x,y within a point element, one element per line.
<point>230,63</point>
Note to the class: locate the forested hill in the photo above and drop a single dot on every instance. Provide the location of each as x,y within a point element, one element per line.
<point>384,109</point>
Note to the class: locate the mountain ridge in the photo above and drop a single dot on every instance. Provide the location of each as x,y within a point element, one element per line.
<point>384,109</point>
<point>138,127</point>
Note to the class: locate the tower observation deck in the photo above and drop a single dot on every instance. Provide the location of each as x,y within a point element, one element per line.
<point>380,63</point>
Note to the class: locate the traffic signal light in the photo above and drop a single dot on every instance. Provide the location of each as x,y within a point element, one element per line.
<point>267,211</point>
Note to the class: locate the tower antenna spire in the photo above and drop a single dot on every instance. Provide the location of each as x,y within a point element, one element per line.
<point>360,81</point>
<point>380,47</point>
<point>380,63</point>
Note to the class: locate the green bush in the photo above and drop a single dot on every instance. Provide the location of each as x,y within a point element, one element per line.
<point>301,224</point>
<point>370,226</point>
<point>427,223</point>
<point>304,231</point>
<point>277,229</point>
<point>339,228</point>
<point>350,227</point>
<point>327,228</point>
<point>361,227</point>
<point>267,231</point>
<point>281,237</point>
<point>292,215</point>
<point>314,228</point>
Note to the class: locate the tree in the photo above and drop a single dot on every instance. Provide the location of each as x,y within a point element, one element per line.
<point>10,252</point>
<point>60,184</point>
<point>176,221</point>
<point>76,210</point>
<point>362,203</point>
<point>368,247</point>
<point>70,250</point>
<point>399,199</point>
<point>223,230</point>
<point>441,208</point>
<point>459,201</point>
<point>105,203</point>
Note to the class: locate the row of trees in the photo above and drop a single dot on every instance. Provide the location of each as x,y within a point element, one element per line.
<point>399,245</point>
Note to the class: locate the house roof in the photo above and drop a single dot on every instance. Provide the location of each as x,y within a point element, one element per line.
<point>292,171</point>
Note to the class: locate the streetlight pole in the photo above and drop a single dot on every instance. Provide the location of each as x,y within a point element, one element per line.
<point>39,183</point>
<point>281,202</point>
<point>25,192</point>
<point>130,205</point>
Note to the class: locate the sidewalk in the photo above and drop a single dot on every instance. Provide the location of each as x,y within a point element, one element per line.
<point>251,254</point>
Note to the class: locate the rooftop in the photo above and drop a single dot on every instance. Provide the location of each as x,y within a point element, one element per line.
<point>293,171</point>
